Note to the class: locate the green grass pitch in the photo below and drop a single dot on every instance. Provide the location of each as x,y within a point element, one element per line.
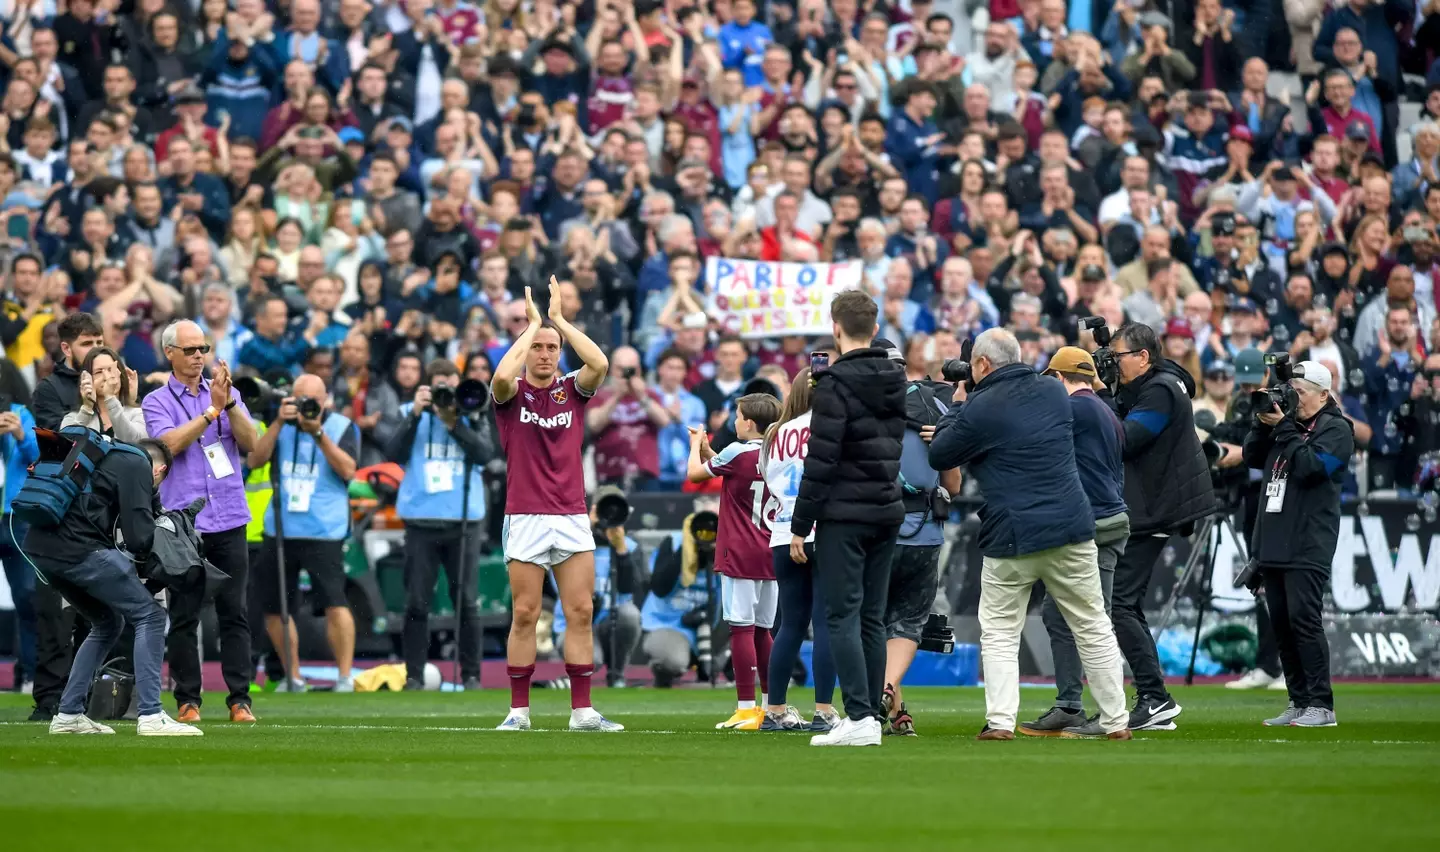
<point>324,772</point>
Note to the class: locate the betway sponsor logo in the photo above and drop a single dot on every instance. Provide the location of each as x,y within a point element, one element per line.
<point>1411,566</point>
<point>559,421</point>
<point>1408,569</point>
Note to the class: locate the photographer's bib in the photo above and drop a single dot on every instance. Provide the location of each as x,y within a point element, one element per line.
<point>299,485</point>
<point>1275,496</point>
<point>439,476</point>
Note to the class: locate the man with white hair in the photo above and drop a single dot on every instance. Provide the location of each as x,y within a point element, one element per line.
<point>1423,168</point>
<point>206,426</point>
<point>1302,450</point>
<point>1014,429</point>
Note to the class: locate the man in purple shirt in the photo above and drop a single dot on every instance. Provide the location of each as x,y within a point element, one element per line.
<point>206,426</point>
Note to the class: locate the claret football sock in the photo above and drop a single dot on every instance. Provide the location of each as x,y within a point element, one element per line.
<point>742,653</point>
<point>579,684</point>
<point>520,685</point>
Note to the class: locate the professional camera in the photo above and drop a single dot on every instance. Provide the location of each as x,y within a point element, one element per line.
<point>1107,369</point>
<point>958,369</point>
<point>308,406</point>
<point>1281,393</point>
<point>262,398</point>
<point>629,373</point>
<point>469,397</point>
<point>936,635</point>
<point>611,508</point>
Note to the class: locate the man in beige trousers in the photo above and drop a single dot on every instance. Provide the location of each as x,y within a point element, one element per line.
<point>1013,429</point>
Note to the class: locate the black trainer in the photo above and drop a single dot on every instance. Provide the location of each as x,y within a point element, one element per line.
<point>1154,714</point>
<point>1053,723</point>
<point>42,714</point>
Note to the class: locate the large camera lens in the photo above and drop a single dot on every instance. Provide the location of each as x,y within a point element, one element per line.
<point>443,396</point>
<point>472,396</point>
<point>956,370</point>
<point>309,407</point>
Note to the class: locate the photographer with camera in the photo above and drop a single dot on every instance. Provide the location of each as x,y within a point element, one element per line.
<point>1302,443</point>
<point>81,558</point>
<point>441,440</point>
<point>1098,439</point>
<point>618,576</point>
<point>1167,489</point>
<point>678,616</point>
<point>316,449</point>
<point>1014,429</point>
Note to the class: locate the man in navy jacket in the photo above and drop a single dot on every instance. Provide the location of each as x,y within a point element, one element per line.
<point>1014,431</point>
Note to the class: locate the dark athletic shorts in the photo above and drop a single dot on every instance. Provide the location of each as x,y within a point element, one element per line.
<point>323,560</point>
<point>913,583</point>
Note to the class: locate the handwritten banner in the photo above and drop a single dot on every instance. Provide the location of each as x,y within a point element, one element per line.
<point>760,298</point>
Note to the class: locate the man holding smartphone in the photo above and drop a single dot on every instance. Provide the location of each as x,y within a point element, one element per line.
<point>850,495</point>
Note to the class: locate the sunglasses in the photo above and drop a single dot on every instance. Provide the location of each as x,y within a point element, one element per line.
<point>192,351</point>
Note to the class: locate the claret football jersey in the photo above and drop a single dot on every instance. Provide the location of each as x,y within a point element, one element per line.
<point>542,431</point>
<point>742,545</point>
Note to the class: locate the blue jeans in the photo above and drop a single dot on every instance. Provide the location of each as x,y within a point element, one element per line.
<point>106,590</point>
<point>21,575</point>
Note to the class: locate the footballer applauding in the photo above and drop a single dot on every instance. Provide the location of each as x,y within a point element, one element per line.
<point>541,418</point>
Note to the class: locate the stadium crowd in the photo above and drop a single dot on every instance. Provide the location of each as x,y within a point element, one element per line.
<point>355,191</point>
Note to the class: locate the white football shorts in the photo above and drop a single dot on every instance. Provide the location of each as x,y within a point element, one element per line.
<point>545,540</point>
<point>747,602</point>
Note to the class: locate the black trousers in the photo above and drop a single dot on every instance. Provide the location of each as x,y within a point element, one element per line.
<point>229,552</point>
<point>1132,582</point>
<point>1296,600</point>
<point>426,550</point>
<point>58,632</point>
<point>1267,654</point>
<point>853,566</point>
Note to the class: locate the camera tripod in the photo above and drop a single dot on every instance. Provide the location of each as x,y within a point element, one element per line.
<point>1202,555</point>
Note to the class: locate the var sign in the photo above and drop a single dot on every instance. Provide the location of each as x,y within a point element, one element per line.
<point>1374,645</point>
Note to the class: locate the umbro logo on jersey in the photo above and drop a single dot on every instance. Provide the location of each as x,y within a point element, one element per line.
<point>559,421</point>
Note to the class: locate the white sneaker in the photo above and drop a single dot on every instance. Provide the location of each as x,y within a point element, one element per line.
<point>161,725</point>
<point>344,684</point>
<point>517,720</point>
<point>589,719</point>
<point>77,723</point>
<point>1278,685</point>
<point>289,685</point>
<point>865,732</point>
<point>1255,679</point>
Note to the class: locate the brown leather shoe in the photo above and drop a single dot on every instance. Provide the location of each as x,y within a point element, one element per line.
<point>989,733</point>
<point>189,714</point>
<point>241,713</point>
<point>1120,735</point>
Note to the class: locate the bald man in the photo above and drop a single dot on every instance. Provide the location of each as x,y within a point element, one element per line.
<point>316,449</point>
<point>206,427</point>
